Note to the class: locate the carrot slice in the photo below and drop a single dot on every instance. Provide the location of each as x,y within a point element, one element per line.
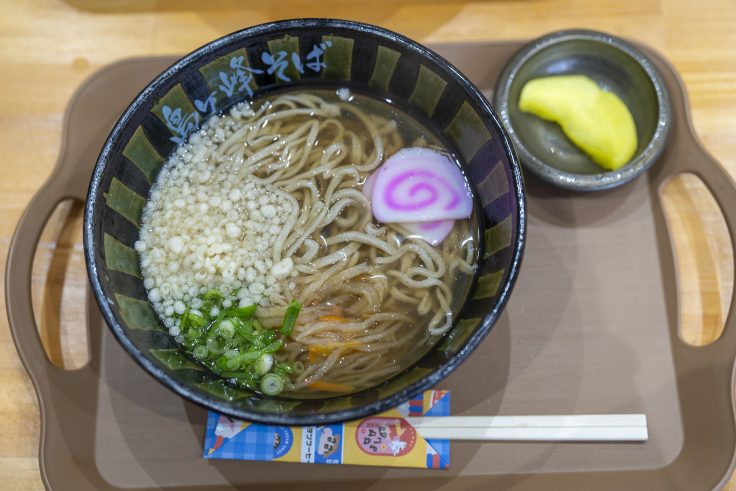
<point>330,386</point>
<point>333,318</point>
<point>326,349</point>
<point>320,349</point>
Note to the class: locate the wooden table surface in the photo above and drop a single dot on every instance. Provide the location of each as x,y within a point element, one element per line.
<point>48,47</point>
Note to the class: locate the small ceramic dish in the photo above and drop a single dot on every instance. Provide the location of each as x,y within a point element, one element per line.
<point>614,65</point>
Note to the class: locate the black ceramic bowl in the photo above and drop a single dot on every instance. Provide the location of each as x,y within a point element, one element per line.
<point>364,58</point>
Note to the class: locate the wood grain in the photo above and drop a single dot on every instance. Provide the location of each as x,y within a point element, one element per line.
<point>47,48</point>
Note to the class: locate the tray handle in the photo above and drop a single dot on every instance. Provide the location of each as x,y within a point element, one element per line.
<point>60,186</point>
<point>701,164</point>
<point>691,157</point>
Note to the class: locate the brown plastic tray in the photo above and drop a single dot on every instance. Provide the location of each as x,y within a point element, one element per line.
<point>591,327</point>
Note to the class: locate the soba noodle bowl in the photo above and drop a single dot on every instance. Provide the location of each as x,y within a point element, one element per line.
<point>263,206</point>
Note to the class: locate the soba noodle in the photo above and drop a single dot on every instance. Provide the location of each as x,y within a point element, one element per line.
<point>373,296</point>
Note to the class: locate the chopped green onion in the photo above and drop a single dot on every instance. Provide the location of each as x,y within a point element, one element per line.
<point>213,295</point>
<point>225,328</point>
<point>193,333</point>
<point>269,336</point>
<point>250,356</point>
<point>244,312</point>
<point>244,329</point>
<point>274,347</point>
<point>184,318</point>
<point>233,363</point>
<point>233,343</point>
<point>272,384</point>
<point>285,367</point>
<point>246,341</point>
<point>221,363</point>
<point>200,352</point>
<point>216,344</point>
<point>292,311</point>
<point>263,364</point>
<point>195,319</point>
<point>220,317</point>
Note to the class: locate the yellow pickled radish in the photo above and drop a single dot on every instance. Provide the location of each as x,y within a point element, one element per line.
<point>595,120</point>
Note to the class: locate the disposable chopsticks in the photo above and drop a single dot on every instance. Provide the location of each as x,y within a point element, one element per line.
<point>581,428</point>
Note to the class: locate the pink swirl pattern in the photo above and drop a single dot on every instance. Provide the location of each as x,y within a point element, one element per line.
<point>420,185</point>
<point>432,232</point>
